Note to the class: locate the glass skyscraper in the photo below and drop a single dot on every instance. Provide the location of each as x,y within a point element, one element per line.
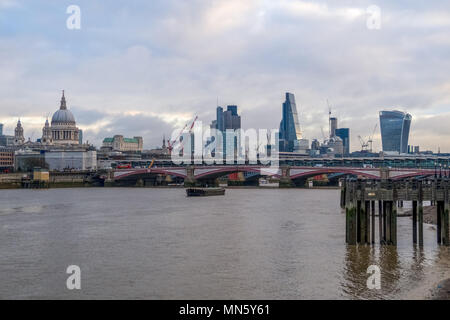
<point>290,133</point>
<point>344,134</point>
<point>395,127</point>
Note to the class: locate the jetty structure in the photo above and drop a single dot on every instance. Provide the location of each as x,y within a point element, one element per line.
<point>362,199</point>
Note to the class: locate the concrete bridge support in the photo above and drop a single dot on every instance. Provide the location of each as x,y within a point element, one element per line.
<point>190,180</point>
<point>285,179</point>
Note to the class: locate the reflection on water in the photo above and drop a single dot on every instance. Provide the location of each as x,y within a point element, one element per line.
<point>157,243</point>
<point>401,268</point>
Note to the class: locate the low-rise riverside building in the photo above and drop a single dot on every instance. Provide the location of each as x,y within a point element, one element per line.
<point>119,143</point>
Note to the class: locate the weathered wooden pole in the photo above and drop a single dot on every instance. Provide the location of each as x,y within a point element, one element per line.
<point>445,225</point>
<point>414,221</point>
<point>367,222</point>
<point>360,222</point>
<point>380,220</point>
<point>420,213</point>
<point>388,221</point>
<point>445,218</point>
<point>384,221</point>
<point>394,224</point>
<point>439,212</point>
<point>350,212</point>
<point>343,193</point>
<point>373,222</point>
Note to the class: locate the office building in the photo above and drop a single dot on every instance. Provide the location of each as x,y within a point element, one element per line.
<point>395,127</point>
<point>344,134</point>
<point>119,143</point>
<point>290,133</point>
<point>227,120</point>
<point>333,127</point>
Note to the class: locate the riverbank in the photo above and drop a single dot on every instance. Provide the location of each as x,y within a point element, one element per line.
<point>440,288</point>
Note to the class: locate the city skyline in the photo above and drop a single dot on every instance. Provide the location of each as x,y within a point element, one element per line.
<point>147,83</point>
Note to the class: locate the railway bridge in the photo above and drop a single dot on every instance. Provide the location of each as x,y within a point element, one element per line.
<point>288,176</point>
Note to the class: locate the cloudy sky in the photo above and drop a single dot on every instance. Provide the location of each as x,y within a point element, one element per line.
<point>145,67</point>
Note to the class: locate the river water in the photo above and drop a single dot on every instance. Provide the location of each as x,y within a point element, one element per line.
<point>137,243</point>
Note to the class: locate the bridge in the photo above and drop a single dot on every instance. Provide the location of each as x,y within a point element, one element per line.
<point>287,175</point>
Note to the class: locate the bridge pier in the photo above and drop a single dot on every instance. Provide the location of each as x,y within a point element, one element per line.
<point>285,179</point>
<point>139,183</point>
<point>190,180</point>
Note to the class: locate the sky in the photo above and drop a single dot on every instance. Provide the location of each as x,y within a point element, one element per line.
<point>144,68</point>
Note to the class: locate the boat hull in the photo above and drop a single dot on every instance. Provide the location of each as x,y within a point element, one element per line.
<point>204,192</point>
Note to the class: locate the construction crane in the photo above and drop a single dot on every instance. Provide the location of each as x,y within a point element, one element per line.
<point>367,145</point>
<point>329,118</point>
<point>370,141</point>
<point>170,144</point>
<point>323,134</point>
<point>364,144</point>
<point>190,131</point>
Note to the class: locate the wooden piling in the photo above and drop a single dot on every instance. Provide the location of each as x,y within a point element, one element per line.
<point>380,220</point>
<point>445,225</point>
<point>420,216</point>
<point>393,223</point>
<point>351,223</point>
<point>439,212</point>
<point>384,221</point>
<point>361,222</point>
<point>420,213</point>
<point>373,222</point>
<point>414,221</point>
<point>388,222</point>
<point>445,217</point>
<point>366,213</point>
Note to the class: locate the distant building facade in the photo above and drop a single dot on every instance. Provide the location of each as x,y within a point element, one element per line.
<point>226,120</point>
<point>395,126</point>
<point>119,143</point>
<point>6,140</point>
<point>6,158</point>
<point>344,134</point>
<point>59,160</point>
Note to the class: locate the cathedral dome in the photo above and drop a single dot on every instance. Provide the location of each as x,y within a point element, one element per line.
<point>63,116</point>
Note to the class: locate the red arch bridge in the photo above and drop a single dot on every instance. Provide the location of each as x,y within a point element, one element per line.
<point>286,174</point>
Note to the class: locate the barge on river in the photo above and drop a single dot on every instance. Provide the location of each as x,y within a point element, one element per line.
<point>204,192</point>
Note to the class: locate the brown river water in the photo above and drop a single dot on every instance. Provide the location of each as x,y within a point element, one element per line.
<point>137,243</point>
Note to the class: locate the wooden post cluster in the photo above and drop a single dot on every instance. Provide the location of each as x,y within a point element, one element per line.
<point>360,198</point>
